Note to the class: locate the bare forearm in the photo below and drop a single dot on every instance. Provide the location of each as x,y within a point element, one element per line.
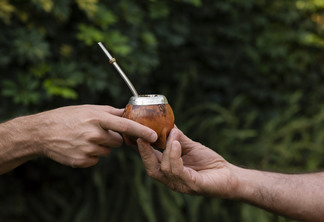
<point>18,142</point>
<point>298,197</point>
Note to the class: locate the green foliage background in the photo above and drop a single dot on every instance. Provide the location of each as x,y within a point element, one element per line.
<point>244,77</point>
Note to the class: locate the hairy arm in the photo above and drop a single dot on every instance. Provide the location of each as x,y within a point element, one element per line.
<point>75,135</point>
<point>297,196</point>
<point>189,167</point>
<point>19,142</point>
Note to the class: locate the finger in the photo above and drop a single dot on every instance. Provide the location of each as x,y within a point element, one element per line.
<point>148,157</point>
<point>112,139</point>
<point>128,127</point>
<point>165,164</point>
<point>176,162</point>
<point>158,155</point>
<point>83,163</point>
<point>175,134</point>
<point>115,111</point>
<point>105,138</point>
<point>74,159</point>
<point>92,150</point>
<point>101,151</point>
<point>109,109</point>
<point>150,160</point>
<point>177,168</point>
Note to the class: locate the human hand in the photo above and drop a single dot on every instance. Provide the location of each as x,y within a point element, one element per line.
<point>78,135</point>
<point>199,170</point>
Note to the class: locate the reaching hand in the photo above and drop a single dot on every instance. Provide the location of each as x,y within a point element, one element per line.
<point>199,170</point>
<point>78,135</point>
<point>75,135</point>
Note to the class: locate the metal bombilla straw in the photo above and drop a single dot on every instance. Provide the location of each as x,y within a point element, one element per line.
<point>122,74</point>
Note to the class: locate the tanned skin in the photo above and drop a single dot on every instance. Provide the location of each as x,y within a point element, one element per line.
<point>189,167</point>
<point>75,136</point>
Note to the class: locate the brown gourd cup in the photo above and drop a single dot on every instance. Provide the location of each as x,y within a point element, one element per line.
<point>152,111</point>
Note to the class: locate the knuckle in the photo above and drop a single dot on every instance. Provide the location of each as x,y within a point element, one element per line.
<point>124,126</point>
<point>195,189</point>
<point>76,163</point>
<point>109,108</point>
<point>83,163</point>
<point>92,135</point>
<point>151,173</point>
<point>92,119</point>
<point>176,172</point>
<point>165,168</point>
<point>88,150</point>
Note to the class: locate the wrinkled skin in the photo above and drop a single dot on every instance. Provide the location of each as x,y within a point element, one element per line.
<point>188,167</point>
<point>75,135</point>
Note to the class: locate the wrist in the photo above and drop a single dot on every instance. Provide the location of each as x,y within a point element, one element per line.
<point>257,187</point>
<point>246,183</point>
<point>18,143</point>
<point>234,187</point>
<point>24,135</point>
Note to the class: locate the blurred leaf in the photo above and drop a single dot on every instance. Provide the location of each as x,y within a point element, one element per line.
<point>6,9</point>
<point>29,46</point>
<point>118,43</point>
<point>46,5</point>
<point>56,87</point>
<point>24,91</point>
<point>90,7</point>
<point>149,39</point>
<point>64,78</point>
<point>104,17</point>
<point>313,40</point>
<point>89,34</point>
<point>158,9</point>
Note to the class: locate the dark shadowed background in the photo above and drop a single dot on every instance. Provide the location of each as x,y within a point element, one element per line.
<point>244,77</point>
